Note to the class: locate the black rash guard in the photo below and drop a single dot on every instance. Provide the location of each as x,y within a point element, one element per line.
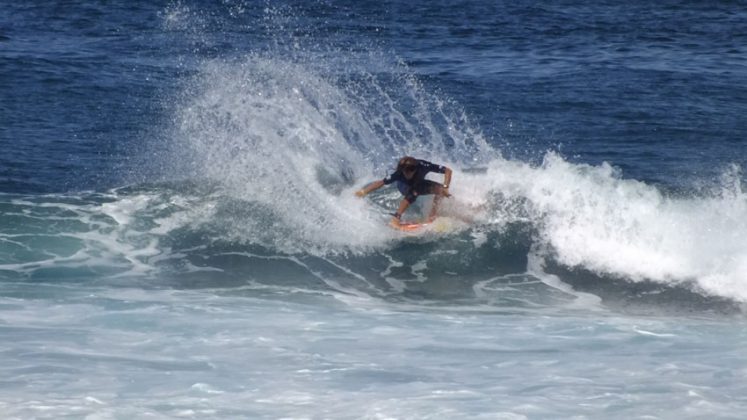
<point>417,185</point>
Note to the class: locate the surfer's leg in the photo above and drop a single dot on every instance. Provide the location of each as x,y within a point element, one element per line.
<point>437,190</point>
<point>434,208</point>
<point>403,205</point>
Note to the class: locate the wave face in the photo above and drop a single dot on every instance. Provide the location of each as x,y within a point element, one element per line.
<point>293,138</point>
<point>270,152</point>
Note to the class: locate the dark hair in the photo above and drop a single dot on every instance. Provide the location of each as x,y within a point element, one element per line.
<point>407,161</point>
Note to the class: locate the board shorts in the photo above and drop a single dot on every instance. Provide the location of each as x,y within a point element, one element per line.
<point>424,187</point>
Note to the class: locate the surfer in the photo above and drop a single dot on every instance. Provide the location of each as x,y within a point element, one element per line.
<point>411,182</point>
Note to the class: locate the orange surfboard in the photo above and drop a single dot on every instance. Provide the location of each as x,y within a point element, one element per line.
<point>411,226</point>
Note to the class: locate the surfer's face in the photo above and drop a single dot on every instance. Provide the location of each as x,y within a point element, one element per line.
<point>408,171</point>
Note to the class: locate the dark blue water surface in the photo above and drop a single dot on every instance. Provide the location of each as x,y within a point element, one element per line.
<point>655,89</point>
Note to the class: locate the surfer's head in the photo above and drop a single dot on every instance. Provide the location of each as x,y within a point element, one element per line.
<point>407,166</point>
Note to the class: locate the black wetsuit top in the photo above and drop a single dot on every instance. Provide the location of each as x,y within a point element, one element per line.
<point>417,185</point>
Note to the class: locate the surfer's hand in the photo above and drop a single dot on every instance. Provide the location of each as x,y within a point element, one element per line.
<point>360,193</point>
<point>445,192</point>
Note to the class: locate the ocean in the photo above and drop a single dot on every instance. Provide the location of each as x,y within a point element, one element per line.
<point>180,238</point>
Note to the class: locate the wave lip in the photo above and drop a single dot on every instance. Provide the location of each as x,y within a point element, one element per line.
<point>590,217</point>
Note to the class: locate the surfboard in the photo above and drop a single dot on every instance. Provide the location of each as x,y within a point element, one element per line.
<point>409,227</point>
<point>438,224</point>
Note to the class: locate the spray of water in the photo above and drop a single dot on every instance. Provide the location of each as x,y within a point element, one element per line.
<point>291,132</point>
<point>292,139</point>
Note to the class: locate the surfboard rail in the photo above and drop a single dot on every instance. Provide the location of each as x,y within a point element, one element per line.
<point>412,226</point>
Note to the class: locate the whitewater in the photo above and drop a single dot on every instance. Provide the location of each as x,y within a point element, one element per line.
<point>227,269</point>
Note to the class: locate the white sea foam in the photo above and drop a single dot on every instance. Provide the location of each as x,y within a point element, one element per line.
<point>589,217</point>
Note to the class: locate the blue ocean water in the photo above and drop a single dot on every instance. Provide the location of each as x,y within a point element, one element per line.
<point>179,235</point>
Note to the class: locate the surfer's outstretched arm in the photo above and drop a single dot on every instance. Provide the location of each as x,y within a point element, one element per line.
<point>370,187</point>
